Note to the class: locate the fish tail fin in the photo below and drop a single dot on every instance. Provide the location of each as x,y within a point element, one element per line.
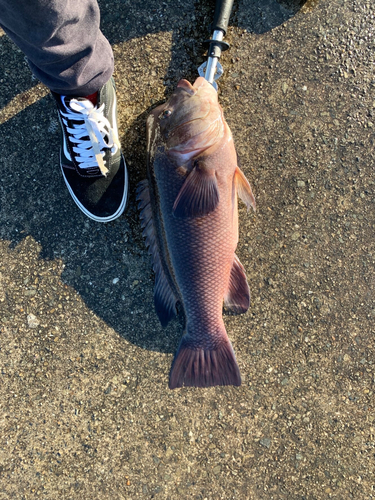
<point>199,367</point>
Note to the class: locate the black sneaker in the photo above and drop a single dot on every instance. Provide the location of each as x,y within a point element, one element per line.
<point>92,164</point>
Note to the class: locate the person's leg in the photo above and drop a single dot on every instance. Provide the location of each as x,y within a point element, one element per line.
<point>62,41</point>
<point>67,52</point>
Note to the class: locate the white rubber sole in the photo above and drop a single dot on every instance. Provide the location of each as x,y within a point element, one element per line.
<point>88,214</point>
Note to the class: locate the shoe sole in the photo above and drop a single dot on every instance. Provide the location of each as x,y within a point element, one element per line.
<point>88,214</point>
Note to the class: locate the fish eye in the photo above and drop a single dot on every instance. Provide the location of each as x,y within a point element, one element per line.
<point>166,113</point>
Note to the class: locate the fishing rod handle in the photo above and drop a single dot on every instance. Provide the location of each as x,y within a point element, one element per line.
<point>223,9</point>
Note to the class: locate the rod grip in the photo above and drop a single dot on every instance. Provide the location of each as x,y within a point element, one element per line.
<point>223,9</point>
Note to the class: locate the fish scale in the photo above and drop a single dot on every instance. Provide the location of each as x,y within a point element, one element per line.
<point>190,224</point>
<point>207,245</point>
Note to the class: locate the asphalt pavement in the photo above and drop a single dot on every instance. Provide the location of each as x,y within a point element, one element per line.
<point>85,409</point>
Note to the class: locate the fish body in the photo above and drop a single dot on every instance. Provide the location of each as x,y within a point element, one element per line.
<point>190,223</point>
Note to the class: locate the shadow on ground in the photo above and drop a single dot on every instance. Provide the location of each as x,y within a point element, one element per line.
<point>103,263</point>
<point>85,409</point>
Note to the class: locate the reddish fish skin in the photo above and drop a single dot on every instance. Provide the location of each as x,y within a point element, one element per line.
<point>193,236</point>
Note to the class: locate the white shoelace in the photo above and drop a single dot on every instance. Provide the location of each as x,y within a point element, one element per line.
<point>91,132</point>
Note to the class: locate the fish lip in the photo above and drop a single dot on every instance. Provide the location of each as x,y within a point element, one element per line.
<point>187,86</point>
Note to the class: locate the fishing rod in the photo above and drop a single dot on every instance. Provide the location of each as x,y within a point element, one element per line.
<point>211,69</point>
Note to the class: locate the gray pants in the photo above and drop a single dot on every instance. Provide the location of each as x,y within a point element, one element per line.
<point>62,42</point>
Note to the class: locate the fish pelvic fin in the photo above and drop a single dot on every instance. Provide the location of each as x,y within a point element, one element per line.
<point>237,298</point>
<point>194,367</point>
<point>199,194</point>
<point>244,189</point>
<point>164,297</point>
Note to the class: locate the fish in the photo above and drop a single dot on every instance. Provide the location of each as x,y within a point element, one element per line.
<point>189,218</point>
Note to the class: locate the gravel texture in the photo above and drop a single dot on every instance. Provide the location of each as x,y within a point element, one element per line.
<point>85,409</point>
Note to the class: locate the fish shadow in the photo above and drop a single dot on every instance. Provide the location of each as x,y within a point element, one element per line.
<point>106,264</point>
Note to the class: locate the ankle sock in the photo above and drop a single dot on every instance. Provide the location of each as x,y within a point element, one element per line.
<point>93,98</point>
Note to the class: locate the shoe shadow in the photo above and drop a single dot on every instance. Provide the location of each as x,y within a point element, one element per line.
<point>107,264</point>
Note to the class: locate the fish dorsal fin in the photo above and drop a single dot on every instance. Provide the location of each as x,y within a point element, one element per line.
<point>164,297</point>
<point>244,189</point>
<point>237,297</point>
<point>199,194</point>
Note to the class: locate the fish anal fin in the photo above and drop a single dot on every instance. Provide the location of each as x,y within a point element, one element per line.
<point>164,297</point>
<point>199,194</point>
<point>194,367</point>
<point>237,297</point>
<point>244,189</point>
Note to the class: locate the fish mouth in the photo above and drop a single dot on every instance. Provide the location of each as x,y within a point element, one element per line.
<point>183,87</point>
<point>193,123</point>
<point>199,83</point>
<point>187,86</point>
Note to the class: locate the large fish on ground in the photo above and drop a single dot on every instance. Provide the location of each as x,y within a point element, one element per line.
<point>190,223</point>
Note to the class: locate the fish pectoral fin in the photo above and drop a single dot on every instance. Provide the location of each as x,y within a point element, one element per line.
<point>237,297</point>
<point>164,297</point>
<point>244,189</point>
<point>199,194</point>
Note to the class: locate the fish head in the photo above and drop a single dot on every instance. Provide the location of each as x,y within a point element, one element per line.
<point>191,121</point>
